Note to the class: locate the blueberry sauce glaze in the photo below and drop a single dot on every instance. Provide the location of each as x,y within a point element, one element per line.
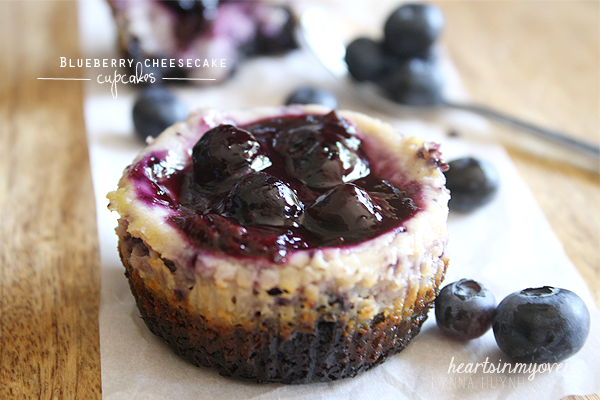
<point>318,189</point>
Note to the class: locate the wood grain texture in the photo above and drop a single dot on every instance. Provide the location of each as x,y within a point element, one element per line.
<point>49,262</point>
<point>536,59</point>
<point>540,61</point>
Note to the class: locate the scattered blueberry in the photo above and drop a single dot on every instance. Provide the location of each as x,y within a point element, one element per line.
<point>541,325</point>
<point>345,211</point>
<point>366,59</point>
<point>472,183</point>
<point>414,82</point>
<point>261,199</point>
<point>226,153</point>
<point>155,110</point>
<point>412,29</point>
<point>312,95</point>
<point>405,64</point>
<point>464,309</point>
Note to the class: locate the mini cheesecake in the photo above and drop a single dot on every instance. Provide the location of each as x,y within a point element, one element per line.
<point>293,244</point>
<point>201,40</point>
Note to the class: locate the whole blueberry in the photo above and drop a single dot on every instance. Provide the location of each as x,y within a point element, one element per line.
<point>464,309</point>
<point>345,212</point>
<point>472,183</point>
<point>224,154</point>
<point>318,156</point>
<point>416,82</point>
<point>261,199</point>
<point>155,109</point>
<point>411,29</point>
<point>312,95</point>
<point>367,60</point>
<point>541,325</point>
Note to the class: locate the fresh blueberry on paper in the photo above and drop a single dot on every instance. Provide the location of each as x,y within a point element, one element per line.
<point>367,60</point>
<point>472,183</point>
<point>404,65</point>
<point>412,29</point>
<point>464,309</point>
<point>541,325</point>
<point>155,109</point>
<point>312,95</point>
<point>416,82</point>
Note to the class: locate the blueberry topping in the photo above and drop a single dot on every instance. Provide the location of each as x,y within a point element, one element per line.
<point>472,183</point>
<point>226,153</point>
<point>345,211</point>
<point>312,95</point>
<point>155,110</point>
<point>411,29</point>
<point>320,157</point>
<point>254,190</point>
<point>464,309</point>
<point>367,60</point>
<point>262,199</point>
<point>416,82</point>
<point>541,325</point>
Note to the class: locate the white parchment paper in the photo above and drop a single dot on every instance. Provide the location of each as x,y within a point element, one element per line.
<point>507,245</point>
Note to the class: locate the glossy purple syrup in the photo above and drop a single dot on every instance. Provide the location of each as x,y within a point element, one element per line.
<point>343,212</point>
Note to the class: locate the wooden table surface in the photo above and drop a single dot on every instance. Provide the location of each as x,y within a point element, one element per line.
<point>536,59</point>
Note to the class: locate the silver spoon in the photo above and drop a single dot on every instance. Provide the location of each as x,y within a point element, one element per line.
<point>317,33</point>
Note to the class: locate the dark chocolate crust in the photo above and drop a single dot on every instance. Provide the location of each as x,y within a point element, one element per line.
<point>324,351</point>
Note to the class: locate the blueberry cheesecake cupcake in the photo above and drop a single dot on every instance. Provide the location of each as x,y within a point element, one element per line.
<point>201,39</point>
<point>293,244</point>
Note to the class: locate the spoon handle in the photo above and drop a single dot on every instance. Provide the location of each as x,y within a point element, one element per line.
<point>543,133</point>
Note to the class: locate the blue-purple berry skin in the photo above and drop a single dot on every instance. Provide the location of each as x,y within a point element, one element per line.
<point>346,210</point>
<point>541,325</point>
<point>155,109</point>
<point>312,95</point>
<point>225,154</point>
<point>472,182</point>
<point>367,60</point>
<point>464,309</point>
<point>412,29</point>
<point>261,199</point>
<point>415,82</point>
